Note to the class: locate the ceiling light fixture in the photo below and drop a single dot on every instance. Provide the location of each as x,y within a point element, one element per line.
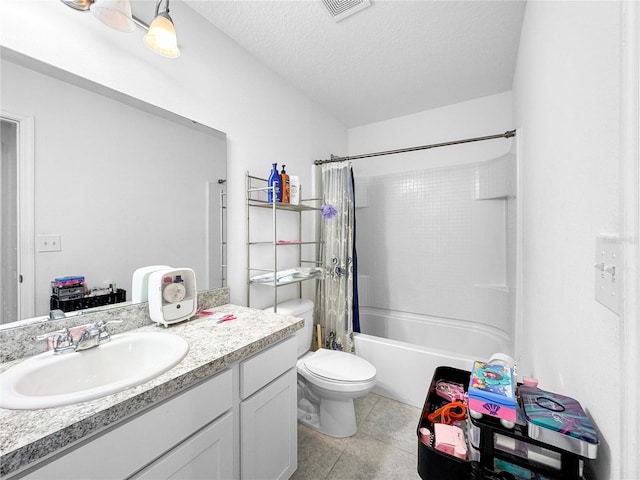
<point>114,13</point>
<point>160,36</point>
<point>82,5</point>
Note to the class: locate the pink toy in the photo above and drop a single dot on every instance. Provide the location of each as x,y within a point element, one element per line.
<point>450,440</point>
<point>450,391</point>
<point>425,436</point>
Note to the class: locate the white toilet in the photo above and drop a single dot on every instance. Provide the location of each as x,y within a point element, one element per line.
<point>328,380</point>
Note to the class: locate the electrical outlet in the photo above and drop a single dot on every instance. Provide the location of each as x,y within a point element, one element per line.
<point>608,269</point>
<point>49,243</point>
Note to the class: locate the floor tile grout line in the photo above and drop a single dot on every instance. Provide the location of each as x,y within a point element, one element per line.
<point>370,410</point>
<point>329,473</point>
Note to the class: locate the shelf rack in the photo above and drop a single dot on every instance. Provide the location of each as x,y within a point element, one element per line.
<point>256,194</point>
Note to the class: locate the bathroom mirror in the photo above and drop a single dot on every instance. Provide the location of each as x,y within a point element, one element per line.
<point>118,183</point>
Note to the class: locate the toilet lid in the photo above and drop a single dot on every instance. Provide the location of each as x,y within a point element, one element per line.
<point>340,366</point>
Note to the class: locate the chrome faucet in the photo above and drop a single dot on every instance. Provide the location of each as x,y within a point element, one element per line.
<point>93,334</point>
<point>62,340</point>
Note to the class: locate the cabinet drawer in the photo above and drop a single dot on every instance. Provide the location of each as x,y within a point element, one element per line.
<point>267,365</point>
<point>128,447</point>
<point>208,454</point>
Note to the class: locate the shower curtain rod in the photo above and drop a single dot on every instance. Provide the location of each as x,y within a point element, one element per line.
<point>508,134</point>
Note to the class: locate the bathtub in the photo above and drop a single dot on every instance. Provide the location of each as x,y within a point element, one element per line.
<point>406,348</point>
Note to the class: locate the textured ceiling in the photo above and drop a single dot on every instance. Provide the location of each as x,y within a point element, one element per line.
<point>391,59</point>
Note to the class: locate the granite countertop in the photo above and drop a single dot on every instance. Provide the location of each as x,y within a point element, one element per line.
<point>29,435</point>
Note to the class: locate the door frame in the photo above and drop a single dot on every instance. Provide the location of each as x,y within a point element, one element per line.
<point>630,233</point>
<point>26,211</point>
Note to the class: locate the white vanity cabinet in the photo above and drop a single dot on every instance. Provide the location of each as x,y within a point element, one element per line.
<point>163,440</point>
<point>240,423</point>
<point>268,413</point>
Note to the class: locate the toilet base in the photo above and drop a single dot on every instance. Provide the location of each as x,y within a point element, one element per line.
<point>308,412</point>
<point>336,418</point>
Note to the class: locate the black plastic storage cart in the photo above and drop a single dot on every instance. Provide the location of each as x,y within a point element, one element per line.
<point>498,450</point>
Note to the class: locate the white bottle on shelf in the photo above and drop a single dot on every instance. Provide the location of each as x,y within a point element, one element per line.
<point>294,190</point>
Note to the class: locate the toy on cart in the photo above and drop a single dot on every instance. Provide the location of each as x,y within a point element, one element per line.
<point>559,421</point>
<point>492,392</point>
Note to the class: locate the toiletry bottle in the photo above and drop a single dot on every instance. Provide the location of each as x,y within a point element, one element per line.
<point>294,190</point>
<point>284,185</point>
<point>274,193</point>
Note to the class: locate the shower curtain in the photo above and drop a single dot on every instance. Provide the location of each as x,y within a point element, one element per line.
<point>338,293</point>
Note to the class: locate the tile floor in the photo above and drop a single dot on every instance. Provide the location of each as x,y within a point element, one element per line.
<point>385,446</point>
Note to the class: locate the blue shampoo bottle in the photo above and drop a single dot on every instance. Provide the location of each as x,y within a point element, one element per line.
<point>275,188</point>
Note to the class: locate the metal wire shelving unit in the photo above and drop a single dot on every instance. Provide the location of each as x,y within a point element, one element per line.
<point>256,198</point>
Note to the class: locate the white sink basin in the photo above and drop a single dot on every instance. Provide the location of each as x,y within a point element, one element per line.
<point>129,359</point>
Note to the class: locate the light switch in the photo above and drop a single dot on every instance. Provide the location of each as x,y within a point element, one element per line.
<point>49,243</point>
<point>608,268</point>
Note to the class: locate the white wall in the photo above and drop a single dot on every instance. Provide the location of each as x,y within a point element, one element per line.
<point>567,101</point>
<point>214,82</point>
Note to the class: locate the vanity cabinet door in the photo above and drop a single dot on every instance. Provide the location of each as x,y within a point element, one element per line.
<point>133,444</point>
<point>208,455</point>
<point>269,434</point>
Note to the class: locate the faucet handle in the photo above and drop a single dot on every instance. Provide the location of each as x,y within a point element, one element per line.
<point>62,340</point>
<point>45,336</point>
<point>102,325</point>
<point>104,335</point>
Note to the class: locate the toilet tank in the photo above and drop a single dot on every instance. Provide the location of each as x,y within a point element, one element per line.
<point>301,308</point>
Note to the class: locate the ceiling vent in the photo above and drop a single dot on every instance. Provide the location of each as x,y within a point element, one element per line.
<point>341,9</point>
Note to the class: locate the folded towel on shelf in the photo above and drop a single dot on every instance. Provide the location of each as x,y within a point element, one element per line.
<point>268,277</point>
<point>287,275</point>
<point>305,272</point>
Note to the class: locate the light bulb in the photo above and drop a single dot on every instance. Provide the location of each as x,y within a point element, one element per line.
<point>161,37</point>
<point>114,13</point>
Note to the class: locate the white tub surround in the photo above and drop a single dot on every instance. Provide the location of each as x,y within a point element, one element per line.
<point>28,436</point>
<point>447,248</point>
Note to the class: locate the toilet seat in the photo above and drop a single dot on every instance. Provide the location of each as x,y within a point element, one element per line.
<point>338,367</point>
